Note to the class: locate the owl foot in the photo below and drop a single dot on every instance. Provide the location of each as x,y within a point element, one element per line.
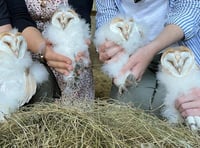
<point>193,122</point>
<point>130,80</point>
<point>122,88</point>
<point>80,67</point>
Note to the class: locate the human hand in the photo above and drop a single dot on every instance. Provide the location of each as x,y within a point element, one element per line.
<point>57,61</point>
<point>83,54</point>
<point>189,104</point>
<point>138,62</point>
<point>109,51</point>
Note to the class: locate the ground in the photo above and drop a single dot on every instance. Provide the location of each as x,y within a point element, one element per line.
<point>102,82</point>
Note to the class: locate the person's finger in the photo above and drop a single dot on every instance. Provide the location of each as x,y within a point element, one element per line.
<point>62,71</point>
<point>114,50</point>
<point>82,55</point>
<point>88,42</point>
<point>59,58</point>
<point>189,105</point>
<point>191,112</point>
<point>116,57</point>
<point>110,53</point>
<point>60,65</point>
<point>106,45</point>
<point>184,98</point>
<point>137,74</point>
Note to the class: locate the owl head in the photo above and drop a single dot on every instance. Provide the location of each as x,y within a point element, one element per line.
<point>178,61</point>
<point>122,26</point>
<point>64,17</point>
<point>13,43</point>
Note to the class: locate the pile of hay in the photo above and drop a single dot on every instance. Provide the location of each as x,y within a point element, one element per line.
<point>97,125</point>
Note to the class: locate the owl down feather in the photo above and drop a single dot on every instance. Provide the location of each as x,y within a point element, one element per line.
<point>178,73</point>
<point>130,35</point>
<point>19,75</point>
<point>68,33</point>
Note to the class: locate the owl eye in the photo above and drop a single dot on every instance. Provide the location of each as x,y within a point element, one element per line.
<point>171,62</point>
<point>69,19</point>
<point>8,44</point>
<point>121,29</point>
<point>20,43</point>
<point>59,19</point>
<point>185,60</point>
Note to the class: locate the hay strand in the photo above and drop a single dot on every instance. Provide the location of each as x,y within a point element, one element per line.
<point>98,125</point>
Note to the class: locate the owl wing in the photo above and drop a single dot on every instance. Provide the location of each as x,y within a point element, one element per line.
<point>29,88</point>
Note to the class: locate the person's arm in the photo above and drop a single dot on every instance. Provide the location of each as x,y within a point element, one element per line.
<point>180,26</point>
<point>189,104</point>
<point>186,16</point>
<point>4,14</point>
<point>19,15</point>
<point>4,17</point>
<point>139,61</point>
<point>21,19</point>
<point>38,44</point>
<point>106,9</point>
<point>5,28</point>
<point>188,19</point>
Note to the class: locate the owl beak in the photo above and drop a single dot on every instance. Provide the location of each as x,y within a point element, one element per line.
<point>126,33</point>
<point>125,36</point>
<point>63,26</point>
<point>178,66</point>
<point>16,53</point>
<point>179,70</point>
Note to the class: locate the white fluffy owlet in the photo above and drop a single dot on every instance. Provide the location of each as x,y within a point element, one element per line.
<point>125,32</point>
<point>18,75</point>
<point>68,33</point>
<point>179,73</point>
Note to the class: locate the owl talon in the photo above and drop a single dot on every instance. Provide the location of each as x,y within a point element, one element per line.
<point>193,122</point>
<point>79,68</point>
<point>130,80</point>
<point>122,89</point>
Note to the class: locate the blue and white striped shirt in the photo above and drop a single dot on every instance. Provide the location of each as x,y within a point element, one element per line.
<point>184,13</point>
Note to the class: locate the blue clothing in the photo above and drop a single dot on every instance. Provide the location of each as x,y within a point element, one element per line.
<point>184,13</point>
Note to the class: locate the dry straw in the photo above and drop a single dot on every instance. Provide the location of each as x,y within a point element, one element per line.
<point>91,125</point>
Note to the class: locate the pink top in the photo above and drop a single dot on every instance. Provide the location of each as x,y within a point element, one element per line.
<point>42,10</point>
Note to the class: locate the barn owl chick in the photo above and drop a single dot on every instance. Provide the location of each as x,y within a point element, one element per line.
<point>18,75</point>
<point>128,34</point>
<point>179,74</point>
<point>68,33</point>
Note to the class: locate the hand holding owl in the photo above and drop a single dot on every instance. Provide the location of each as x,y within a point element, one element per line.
<point>189,104</point>
<point>19,75</point>
<point>60,63</point>
<point>69,34</point>
<point>179,74</point>
<point>139,61</point>
<point>109,50</point>
<point>117,41</point>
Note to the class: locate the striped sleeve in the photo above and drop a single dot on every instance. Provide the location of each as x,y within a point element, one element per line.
<point>106,9</point>
<point>185,14</point>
